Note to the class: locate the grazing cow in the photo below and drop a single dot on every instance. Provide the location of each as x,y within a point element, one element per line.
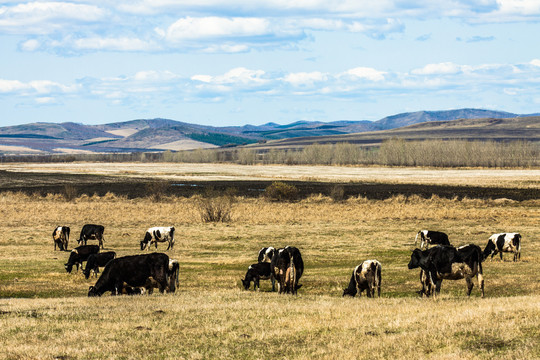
<point>95,261</point>
<point>447,262</point>
<point>60,237</point>
<point>366,276</point>
<point>504,242</point>
<point>80,254</point>
<point>266,254</point>
<point>134,271</point>
<point>91,231</point>
<point>256,272</point>
<point>158,234</point>
<point>431,237</point>
<point>287,267</point>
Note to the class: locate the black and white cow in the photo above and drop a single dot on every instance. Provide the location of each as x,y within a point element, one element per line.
<point>80,254</point>
<point>134,271</point>
<point>446,262</point>
<point>95,261</point>
<point>366,276</point>
<point>61,237</point>
<point>257,272</point>
<point>287,267</point>
<point>504,242</point>
<point>266,254</point>
<point>158,234</point>
<point>428,237</point>
<point>92,231</point>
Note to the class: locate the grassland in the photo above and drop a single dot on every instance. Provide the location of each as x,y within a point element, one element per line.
<point>44,312</point>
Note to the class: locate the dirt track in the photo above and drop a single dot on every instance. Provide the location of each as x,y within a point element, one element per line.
<point>133,187</point>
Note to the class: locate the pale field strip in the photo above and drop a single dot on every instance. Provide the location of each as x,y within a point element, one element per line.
<point>509,178</point>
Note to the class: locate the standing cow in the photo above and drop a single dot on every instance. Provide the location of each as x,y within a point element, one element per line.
<point>428,237</point>
<point>158,234</point>
<point>135,271</point>
<point>80,254</point>
<point>92,231</point>
<point>95,261</point>
<point>287,267</point>
<point>61,237</point>
<point>447,262</point>
<point>366,276</point>
<point>504,242</point>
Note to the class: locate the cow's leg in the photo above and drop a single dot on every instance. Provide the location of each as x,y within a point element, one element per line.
<point>273,280</point>
<point>256,284</point>
<point>480,278</point>
<point>500,253</point>
<point>470,285</point>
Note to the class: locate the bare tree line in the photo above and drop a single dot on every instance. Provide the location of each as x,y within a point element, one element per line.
<point>394,152</point>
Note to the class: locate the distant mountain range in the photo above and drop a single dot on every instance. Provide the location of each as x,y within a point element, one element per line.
<point>165,134</point>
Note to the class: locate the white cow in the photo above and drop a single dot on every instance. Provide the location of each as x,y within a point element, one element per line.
<point>504,242</point>
<point>158,234</point>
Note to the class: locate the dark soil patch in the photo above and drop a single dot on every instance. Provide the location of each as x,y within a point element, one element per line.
<point>45,183</point>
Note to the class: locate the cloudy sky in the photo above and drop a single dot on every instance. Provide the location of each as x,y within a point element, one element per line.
<point>236,62</point>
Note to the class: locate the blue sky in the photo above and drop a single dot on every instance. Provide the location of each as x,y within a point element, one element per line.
<point>217,62</point>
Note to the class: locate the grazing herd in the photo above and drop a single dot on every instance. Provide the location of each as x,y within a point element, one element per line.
<point>137,274</point>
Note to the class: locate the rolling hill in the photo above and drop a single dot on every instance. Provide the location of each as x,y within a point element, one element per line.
<point>165,134</point>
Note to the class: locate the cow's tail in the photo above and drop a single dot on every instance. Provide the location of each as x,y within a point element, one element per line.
<point>174,274</point>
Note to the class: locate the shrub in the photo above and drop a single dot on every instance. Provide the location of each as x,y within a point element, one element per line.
<point>337,193</point>
<point>157,190</point>
<point>215,208</point>
<point>70,192</point>
<point>280,191</point>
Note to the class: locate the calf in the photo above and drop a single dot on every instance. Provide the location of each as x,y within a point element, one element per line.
<point>287,267</point>
<point>366,276</point>
<point>61,237</point>
<point>447,262</point>
<point>256,272</point>
<point>91,231</point>
<point>95,261</point>
<point>504,242</point>
<point>158,234</point>
<point>134,271</point>
<point>266,254</point>
<point>80,254</point>
<point>431,237</point>
<point>174,270</point>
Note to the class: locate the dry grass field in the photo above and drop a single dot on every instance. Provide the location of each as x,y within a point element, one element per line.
<point>45,313</point>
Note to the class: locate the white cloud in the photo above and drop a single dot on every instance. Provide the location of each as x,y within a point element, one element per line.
<point>190,28</point>
<point>365,73</point>
<point>305,78</point>
<point>46,17</point>
<point>438,69</point>
<point>114,44</point>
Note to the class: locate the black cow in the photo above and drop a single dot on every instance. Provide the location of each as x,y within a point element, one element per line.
<point>447,262</point>
<point>287,267</point>
<point>134,271</point>
<point>504,242</point>
<point>366,276</point>
<point>256,272</point>
<point>95,261</point>
<point>80,254</point>
<point>92,231</point>
<point>431,237</point>
<point>61,237</point>
<point>266,254</point>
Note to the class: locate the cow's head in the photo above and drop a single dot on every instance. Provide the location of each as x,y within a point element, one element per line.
<point>86,273</point>
<point>415,259</point>
<point>68,267</point>
<point>246,283</point>
<point>92,292</point>
<point>146,240</point>
<point>349,291</point>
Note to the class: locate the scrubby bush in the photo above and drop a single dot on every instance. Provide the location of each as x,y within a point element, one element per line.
<point>215,207</point>
<point>280,191</point>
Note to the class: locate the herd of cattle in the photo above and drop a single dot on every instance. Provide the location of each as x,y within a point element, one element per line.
<point>142,273</point>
